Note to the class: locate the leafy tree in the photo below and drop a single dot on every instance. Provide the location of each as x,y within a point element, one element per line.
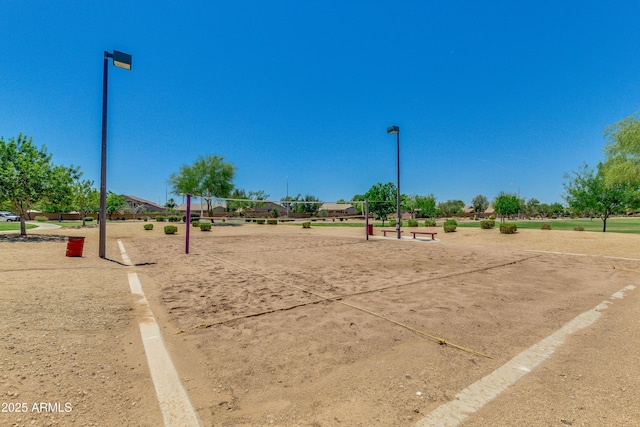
<point>451,207</point>
<point>587,192</point>
<point>506,204</point>
<point>426,206</point>
<point>556,208</point>
<point>308,204</point>
<point>170,205</point>
<point>115,203</point>
<point>623,151</point>
<point>408,204</point>
<point>59,198</point>
<point>85,198</point>
<point>532,207</point>
<point>382,200</point>
<point>480,204</point>
<point>209,177</point>
<point>360,207</point>
<point>245,200</point>
<point>26,175</point>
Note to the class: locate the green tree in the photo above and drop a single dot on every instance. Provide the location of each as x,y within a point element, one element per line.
<point>308,204</point>
<point>170,205</point>
<point>426,206</point>
<point>382,200</point>
<point>26,175</point>
<point>532,207</point>
<point>209,177</point>
<point>359,203</point>
<point>506,205</point>
<point>85,198</point>
<point>588,193</point>
<point>115,203</point>
<point>244,200</point>
<point>60,199</point>
<point>622,152</point>
<point>451,207</point>
<point>480,204</point>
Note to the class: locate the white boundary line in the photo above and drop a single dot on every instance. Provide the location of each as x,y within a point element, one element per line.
<point>483,391</point>
<point>173,399</point>
<point>125,258</point>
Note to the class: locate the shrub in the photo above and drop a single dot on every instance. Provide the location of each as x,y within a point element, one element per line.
<point>42,219</point>
<point>195,223</point>
<point>487,224</point>
<point>205,226</point>
<point>170,229</point>
<point>545,227</point>
<point>174,218</point>
<point>578,228</point>
<point>146,218</point>
<point>430,222</point>
<point>508,228</point>
<point>412,223</point>
<point>392,223</point>
<point>274,213</point>
<point>451,222</point>
<point>148,226</point>
<point>306,224</point>
<point>260,221</point>
<point>492,217</point>
<point>88,218</point>
<point>272,221</point>
<point>160,218</point>
<point>449,228</point>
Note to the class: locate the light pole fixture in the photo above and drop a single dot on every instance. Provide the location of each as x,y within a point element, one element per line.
<point>121,60</point>
<point>395,130</point>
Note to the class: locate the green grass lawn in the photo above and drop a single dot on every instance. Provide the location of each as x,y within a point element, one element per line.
<point>614,225</point>
<point>5,226</point>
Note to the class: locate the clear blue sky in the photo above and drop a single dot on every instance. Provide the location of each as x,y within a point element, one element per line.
<point>489,96</point>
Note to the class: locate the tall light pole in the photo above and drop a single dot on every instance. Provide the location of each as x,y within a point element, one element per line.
<point>121,60</point>
<point>288,197</point>
<point>391,130</point>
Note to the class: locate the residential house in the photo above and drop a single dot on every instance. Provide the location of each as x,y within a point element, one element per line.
<point>336,209</point>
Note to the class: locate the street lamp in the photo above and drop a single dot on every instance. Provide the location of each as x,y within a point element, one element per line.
<point>121,60</point>
<point>391,130</point>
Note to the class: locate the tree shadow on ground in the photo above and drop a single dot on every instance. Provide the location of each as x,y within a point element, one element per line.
<point>32,238</point>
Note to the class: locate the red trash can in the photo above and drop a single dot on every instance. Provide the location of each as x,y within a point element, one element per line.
<point>75,246</point>
<point>370,229</point>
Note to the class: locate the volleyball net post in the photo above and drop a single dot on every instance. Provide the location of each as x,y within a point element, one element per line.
<point>187,223</point>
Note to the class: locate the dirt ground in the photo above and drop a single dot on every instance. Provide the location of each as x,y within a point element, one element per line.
<point>284,326</point>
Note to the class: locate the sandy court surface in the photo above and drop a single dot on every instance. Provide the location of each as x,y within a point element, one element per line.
<point>276,325</point>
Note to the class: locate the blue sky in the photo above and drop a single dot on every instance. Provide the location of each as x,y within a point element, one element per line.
<point>489,96</point>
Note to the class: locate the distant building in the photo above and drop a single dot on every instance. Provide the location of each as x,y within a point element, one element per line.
<point>142,205</point>
<point>338,208</point>
<point>265,209</point>
<point>201,208</point>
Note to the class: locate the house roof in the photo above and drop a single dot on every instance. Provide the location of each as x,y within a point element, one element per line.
<point>198,206</point>
<point>335,206</point>
<point>140,201</point>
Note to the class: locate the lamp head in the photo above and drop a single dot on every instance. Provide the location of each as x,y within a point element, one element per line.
<point>392,130</point>
<point>122,60</point>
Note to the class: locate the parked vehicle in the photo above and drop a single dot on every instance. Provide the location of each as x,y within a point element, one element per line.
<point>8,216</point>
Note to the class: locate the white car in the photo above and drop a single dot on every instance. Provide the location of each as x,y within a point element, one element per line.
<point>8,216</point>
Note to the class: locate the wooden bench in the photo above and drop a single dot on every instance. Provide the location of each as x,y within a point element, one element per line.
<point>384,232</point>
<point>433,235</point>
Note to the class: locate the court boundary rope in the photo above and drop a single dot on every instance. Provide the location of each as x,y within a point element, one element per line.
<point>322,297</point>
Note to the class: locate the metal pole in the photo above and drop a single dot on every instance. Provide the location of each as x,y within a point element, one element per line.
<point>366,218</point>
<point>187,222</point>
<point>102,216</point>
<point>398,190</point>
